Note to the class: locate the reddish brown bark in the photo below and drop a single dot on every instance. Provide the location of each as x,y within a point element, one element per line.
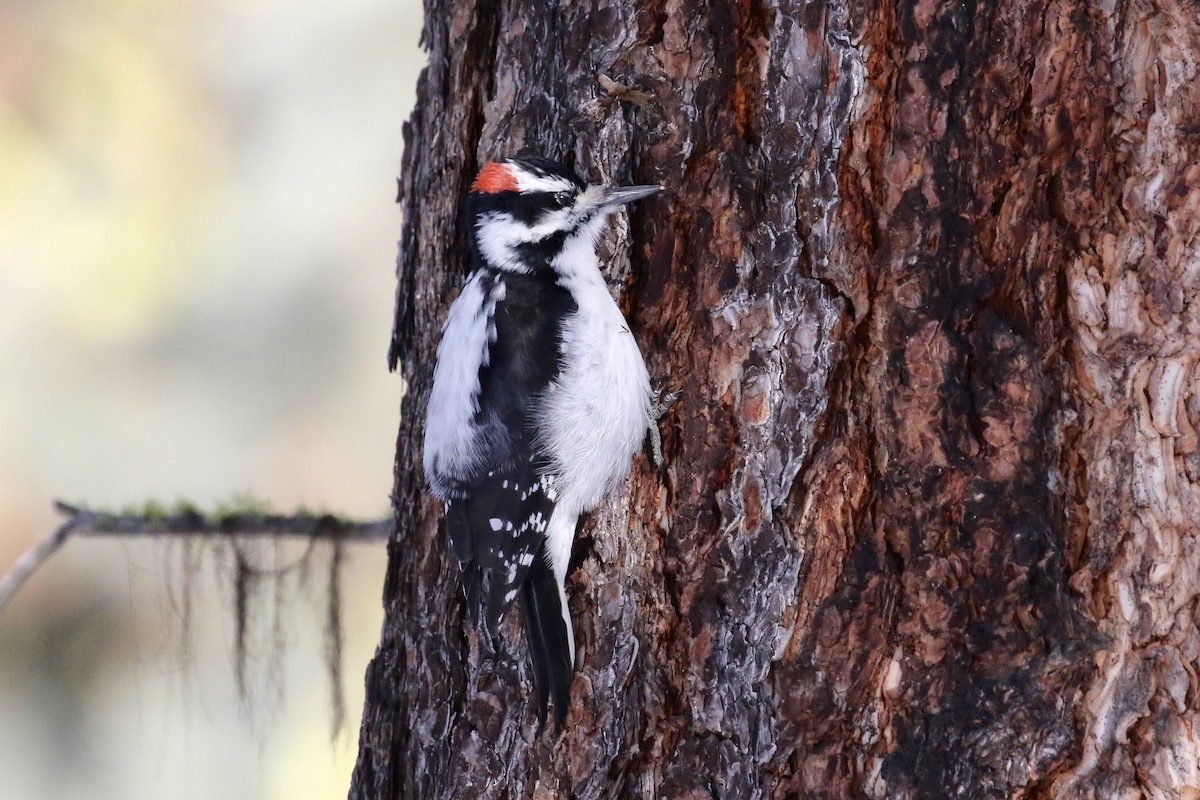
<point>924,273</point>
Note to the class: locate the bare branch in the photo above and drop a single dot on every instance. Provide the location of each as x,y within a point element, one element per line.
<point>189,521</point>
<point>186,521</point>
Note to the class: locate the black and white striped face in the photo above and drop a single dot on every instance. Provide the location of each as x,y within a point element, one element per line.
<point>523,210</point>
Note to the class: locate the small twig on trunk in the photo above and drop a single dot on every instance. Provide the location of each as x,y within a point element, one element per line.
<point>185,521</point>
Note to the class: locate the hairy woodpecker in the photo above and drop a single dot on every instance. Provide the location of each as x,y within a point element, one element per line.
<point>540,400</point>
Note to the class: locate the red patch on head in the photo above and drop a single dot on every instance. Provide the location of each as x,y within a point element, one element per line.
<point>495,177</point>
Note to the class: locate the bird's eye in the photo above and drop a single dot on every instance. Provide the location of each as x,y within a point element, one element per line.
<point>563,199</point>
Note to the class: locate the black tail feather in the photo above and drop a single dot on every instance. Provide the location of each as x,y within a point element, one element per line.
<point>537,653</point>
<point>546,632</point>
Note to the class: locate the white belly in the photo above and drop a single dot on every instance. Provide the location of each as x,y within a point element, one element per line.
<point>596,413</point>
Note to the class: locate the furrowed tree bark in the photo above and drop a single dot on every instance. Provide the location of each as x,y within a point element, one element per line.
<point>926,275</point>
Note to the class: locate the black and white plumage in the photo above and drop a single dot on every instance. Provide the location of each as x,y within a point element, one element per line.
<point>540,400</point>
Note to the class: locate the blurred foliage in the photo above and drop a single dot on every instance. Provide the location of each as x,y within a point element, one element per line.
<point>196,246</point>
<point>108,143</point>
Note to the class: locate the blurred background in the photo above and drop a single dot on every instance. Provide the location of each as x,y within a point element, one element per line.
<point>197,239</point>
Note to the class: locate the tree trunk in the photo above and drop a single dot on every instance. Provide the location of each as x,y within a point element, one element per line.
<point>926,275</point>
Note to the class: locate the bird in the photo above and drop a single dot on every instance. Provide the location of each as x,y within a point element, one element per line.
<point>540,401</point>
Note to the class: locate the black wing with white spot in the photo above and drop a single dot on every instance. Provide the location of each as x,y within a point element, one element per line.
<point>497,530</point>
<point>497,518</point>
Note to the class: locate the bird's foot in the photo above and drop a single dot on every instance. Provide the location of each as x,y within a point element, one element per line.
<point>657,409</point>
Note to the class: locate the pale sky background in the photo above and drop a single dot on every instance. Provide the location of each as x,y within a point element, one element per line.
<point>197,244</point>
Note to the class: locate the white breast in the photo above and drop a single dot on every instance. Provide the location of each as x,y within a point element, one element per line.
<point>595,415</point>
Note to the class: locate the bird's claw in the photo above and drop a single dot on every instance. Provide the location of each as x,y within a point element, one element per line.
<point>657,409</point>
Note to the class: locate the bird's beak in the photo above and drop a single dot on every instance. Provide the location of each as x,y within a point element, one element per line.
<point>620,195</point>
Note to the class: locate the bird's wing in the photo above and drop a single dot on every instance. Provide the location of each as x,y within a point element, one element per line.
<point>496,533</point>
<point>497,517</point>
